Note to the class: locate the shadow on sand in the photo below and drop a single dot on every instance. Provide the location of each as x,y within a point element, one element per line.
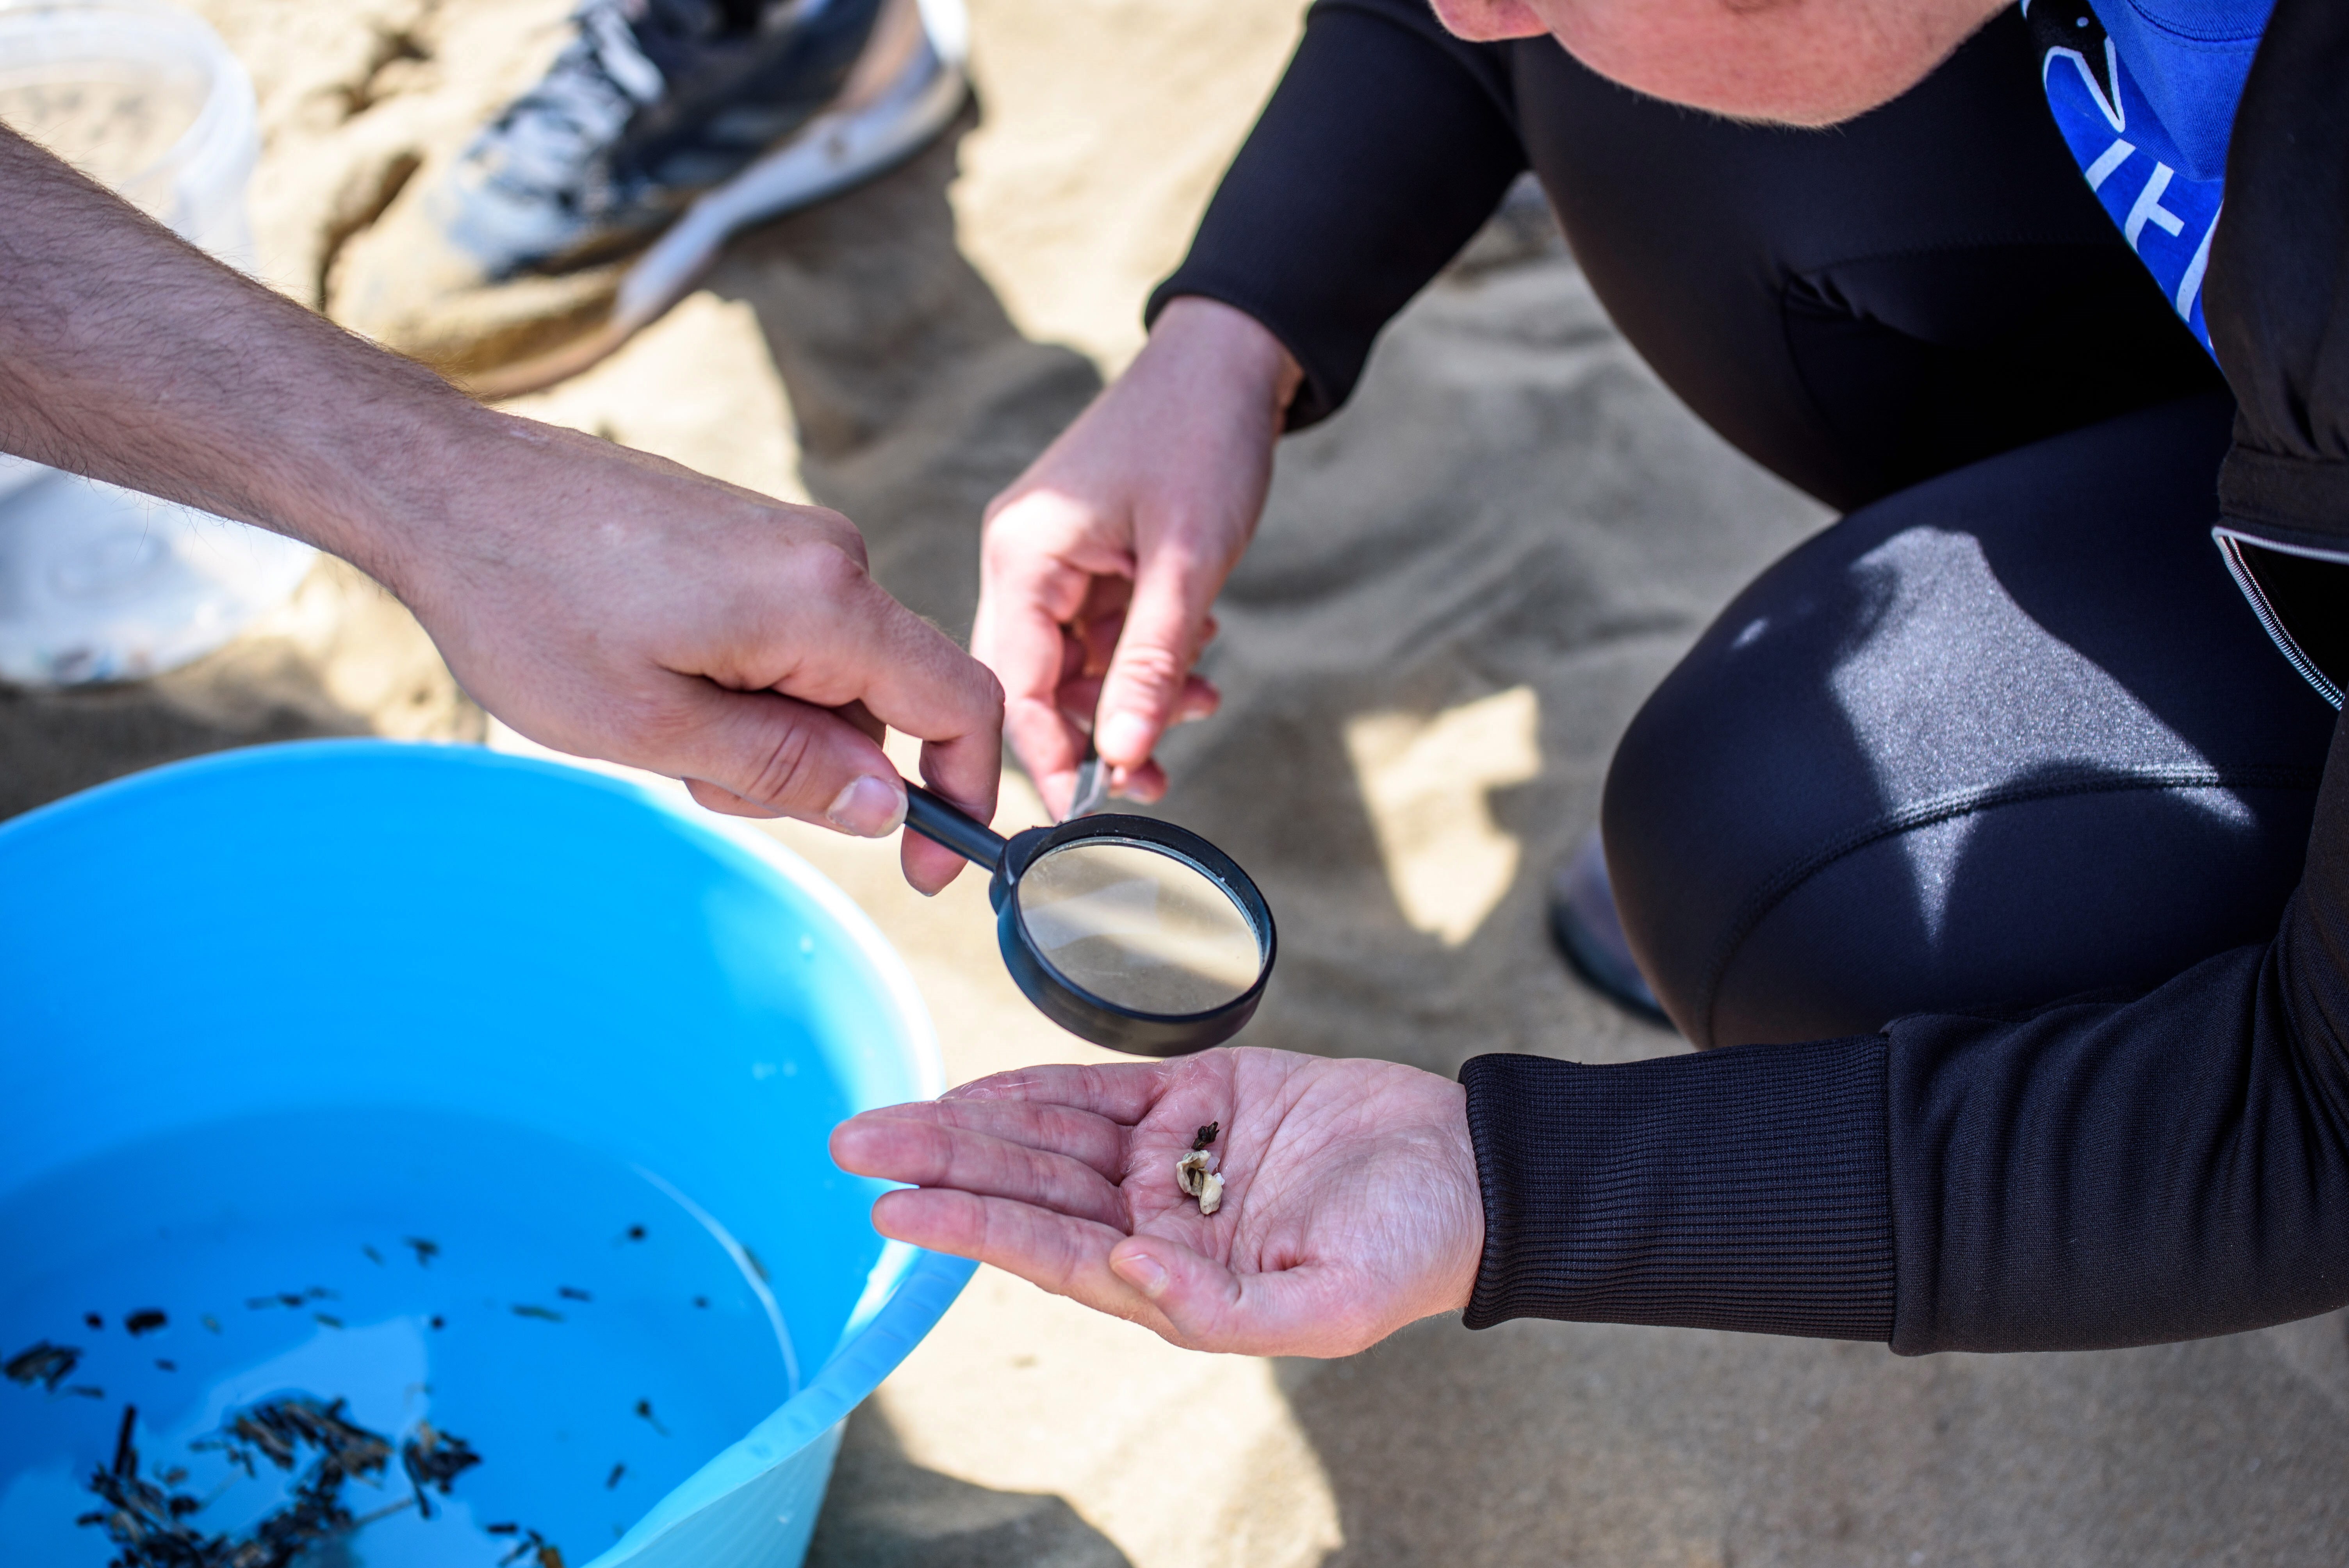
<point>885,1511</point>
<point>915,396</point>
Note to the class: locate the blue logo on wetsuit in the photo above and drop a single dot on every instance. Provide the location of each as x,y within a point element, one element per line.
<point>2146,108</point>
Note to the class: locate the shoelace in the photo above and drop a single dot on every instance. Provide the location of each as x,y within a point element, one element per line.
<point>547,143</point>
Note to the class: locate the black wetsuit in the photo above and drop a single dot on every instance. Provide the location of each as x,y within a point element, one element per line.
<point>1984,832</point>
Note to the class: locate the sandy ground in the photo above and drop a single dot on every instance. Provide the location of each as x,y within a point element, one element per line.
<point>1464,587</point>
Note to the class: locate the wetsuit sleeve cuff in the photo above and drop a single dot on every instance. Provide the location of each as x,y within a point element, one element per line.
<point>1385,147</point>
<point>1743,1189</point>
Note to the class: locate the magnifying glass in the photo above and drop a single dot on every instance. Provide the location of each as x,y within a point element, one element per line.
<point>1125,930</point>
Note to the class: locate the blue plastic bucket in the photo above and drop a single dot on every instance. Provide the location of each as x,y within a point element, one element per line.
<point>471,1091</point>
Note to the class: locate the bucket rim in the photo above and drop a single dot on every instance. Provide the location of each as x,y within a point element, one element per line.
<point>927,1282</point>
<point>223,138</point>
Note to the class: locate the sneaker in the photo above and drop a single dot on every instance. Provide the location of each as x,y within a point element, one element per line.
<point>1589,930</point>
<point>591,203</point>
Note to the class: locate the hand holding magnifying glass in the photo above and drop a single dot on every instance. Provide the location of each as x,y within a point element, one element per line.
<point>1127,932</point>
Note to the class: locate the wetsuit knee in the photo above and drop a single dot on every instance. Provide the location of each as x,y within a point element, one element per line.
<point>1970,748</point>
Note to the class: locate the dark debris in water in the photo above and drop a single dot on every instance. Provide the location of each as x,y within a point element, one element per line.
<point>292,1300</point>
<point>432,1461</point>
<point>148,1522</point>
<point>532,1309</point>
<point>146,1320</point>
<point>278,1429</point>
<point>572,1292</point>
<point>645,1410</point>
<point>425,1248</point>
<point>530,1541</point>
<point>43,1362</point>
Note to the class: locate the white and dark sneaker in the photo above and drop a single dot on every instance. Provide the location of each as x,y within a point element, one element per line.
<point>592,201</point>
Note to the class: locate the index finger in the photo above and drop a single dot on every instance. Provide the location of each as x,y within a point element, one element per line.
<point>872,650</point>
<point>1020,634</point>
<point>912,677</point>
<point>1123,1092</point>
<point>1094,1140</point>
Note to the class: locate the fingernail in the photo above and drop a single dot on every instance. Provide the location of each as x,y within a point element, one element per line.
<point>1144,1272</point>
<point>870,807</point>
<point>1124,738</point>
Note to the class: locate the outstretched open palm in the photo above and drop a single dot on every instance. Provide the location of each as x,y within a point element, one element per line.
<point>1351,1203</point>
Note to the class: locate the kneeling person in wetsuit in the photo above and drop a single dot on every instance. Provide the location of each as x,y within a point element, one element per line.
<point>2016,731</point>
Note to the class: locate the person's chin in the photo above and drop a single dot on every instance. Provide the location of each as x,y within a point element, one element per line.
<point>1800,99</point>
<point>1489,21</point>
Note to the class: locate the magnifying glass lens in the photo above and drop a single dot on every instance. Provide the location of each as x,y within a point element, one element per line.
<point>1141,929</point>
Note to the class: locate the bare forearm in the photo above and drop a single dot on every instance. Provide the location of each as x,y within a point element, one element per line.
<point>127,355</point>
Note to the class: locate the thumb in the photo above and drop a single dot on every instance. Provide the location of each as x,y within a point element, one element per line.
<point>772,756</point>
<point>1147,675</point>
<point>1292,1312</point>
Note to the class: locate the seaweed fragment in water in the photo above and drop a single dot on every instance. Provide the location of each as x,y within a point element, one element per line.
<point>434,1459</point>
<point>43,1362</point>
<point>282,1298</point>
<point>425,1248</point>
<point>276,1430</point>
<point>549,1555</point>
<point>146,1320</point>
<point>572,1292</point>
<point>532,1309</point>
<point>146,1521</point>
<point>143,1519</point>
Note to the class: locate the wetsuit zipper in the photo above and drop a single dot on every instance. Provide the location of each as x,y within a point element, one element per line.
<point>2230,544</point>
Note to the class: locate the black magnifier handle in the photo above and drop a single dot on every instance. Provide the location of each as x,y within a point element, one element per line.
<point>941,823</point>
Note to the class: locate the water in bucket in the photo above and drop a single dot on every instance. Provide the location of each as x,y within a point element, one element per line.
<point>482,1094</point>
<point>582,1326</point>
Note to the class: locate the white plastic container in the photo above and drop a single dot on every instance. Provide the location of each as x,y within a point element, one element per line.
<point>98,582</point>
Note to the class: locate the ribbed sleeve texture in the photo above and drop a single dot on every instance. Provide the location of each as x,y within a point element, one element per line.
<point>1744,1189</point>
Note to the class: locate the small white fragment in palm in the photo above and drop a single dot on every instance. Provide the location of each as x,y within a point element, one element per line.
<point>1195,1174</point>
